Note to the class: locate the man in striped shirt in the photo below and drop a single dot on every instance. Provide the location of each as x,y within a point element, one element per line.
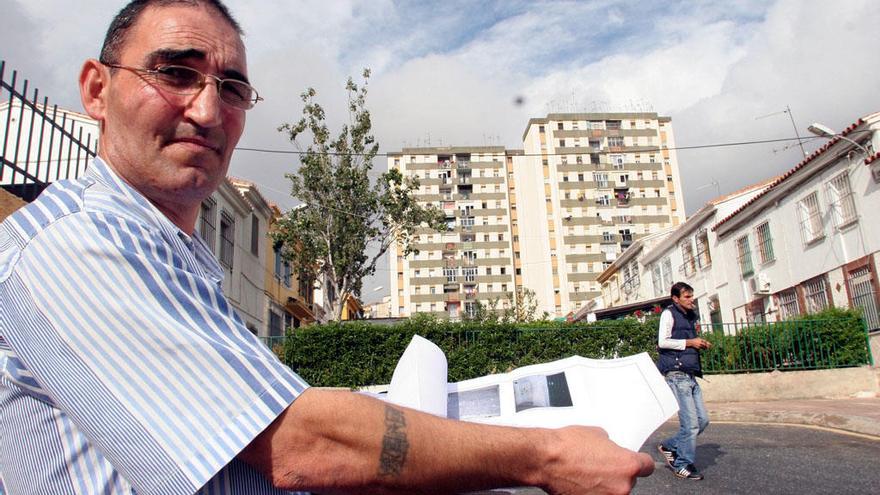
<point>125,370</point>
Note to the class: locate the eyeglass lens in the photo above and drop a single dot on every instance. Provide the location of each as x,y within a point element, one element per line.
<point>186,80</point>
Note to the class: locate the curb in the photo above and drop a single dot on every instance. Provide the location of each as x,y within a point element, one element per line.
<point>845,423</point>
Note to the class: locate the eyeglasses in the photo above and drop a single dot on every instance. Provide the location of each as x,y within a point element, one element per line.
<point>182,80</point>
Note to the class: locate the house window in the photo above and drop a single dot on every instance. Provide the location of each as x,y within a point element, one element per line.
<point>689,262</point>
<point>207,223</point>
<point>704,258</point>
<point>286,275</point>
<point>661,275</point>
<point>255,235</point>
<point>744,256</point>
<point>275,324</point>
<point>788,304</point>
<point>603,200</point>
<point>601,180</point>
<point>861,282</point>
<point>616,161</point>
<point>841,201</point>
<point>765,242</point>
<point>810,218</point>
<point>278,263</point>
<point>451,274</point>
<point>815,295</point>
<point>227,236</point>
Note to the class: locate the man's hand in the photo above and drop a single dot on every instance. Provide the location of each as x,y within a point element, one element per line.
<point>586,461</point>
<point>698,343</point>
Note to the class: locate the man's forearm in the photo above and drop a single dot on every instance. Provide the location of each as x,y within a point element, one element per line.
<point>341,442</point>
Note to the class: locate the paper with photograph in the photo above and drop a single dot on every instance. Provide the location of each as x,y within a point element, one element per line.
<point>625,396</point>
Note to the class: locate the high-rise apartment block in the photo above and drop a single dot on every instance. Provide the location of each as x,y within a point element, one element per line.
<point>549,217</point>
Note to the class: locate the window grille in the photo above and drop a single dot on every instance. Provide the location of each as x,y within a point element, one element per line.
<point>227,239</point>
<point>207,223</point>
<point>815,295</point>
<point>841,201</point>
<point>765,243</point>
<point>689,263</point>
<point>744,256</point>
<point>704,258</point>
<point>810,218</point>
<point>788,304</point>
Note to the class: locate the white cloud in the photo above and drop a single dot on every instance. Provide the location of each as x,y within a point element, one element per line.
<point>452,70</point>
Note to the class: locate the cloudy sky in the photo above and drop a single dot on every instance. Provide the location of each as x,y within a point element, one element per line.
<point>451,72</point>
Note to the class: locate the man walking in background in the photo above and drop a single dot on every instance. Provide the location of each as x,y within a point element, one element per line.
<point>680,363</point>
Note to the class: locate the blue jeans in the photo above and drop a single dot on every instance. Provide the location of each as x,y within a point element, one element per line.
<point>692,417</point>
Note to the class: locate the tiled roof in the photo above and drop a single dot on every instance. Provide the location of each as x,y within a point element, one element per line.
<point>782,178</point>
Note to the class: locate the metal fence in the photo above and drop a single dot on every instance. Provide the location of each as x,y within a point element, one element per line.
<point>786,345</point>
<point>39,144</point>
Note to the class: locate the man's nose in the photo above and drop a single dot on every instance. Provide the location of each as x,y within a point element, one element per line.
<point>205,106</point>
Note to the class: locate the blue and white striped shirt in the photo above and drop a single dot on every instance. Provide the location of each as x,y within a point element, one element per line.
<point>123,369</point>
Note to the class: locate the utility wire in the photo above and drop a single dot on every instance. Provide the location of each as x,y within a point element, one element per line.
<point>587,150</point>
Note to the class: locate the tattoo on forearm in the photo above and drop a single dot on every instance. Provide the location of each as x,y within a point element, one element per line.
<point>394,443</point>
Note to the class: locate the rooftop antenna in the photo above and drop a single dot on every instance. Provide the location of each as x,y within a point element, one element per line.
<point>791,117</point>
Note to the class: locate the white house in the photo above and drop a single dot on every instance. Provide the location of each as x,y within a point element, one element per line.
<point>807,242</point>
<point>645,272</point>
<point>233,222</point>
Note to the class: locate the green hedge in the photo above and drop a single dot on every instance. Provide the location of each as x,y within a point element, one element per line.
<point>354,354</point>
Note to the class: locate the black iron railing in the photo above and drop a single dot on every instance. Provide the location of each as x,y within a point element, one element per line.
<point>39,144</point>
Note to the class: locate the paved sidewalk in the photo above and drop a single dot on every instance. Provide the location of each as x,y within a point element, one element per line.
<point>853,415</point>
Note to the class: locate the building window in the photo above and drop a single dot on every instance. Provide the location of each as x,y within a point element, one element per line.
<point>815,295</point>
<point>603,200</point>
<point>661,275</point>
<point>616,161</point>
<point>841,200</point>
<point>765,242</point>
<point>688,261</point>
<point>615,141</point>
<point>227,239</point>
<point>255,235</point>
<point>704,258</point>
<point>275,324</point>
<point>601,179</point>
<point>286,275</point>
<point>861,282</point>
<point>788,304</point>
<point>744,256</point>
<point>810,218</point>
<point>278,262</point>
<point>207,222</point>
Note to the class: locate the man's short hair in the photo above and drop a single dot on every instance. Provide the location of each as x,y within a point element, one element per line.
<point>128,16</point>
<point>679,287</point>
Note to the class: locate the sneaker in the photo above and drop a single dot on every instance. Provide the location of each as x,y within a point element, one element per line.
<point>688,472</point>
<point>669,455</point>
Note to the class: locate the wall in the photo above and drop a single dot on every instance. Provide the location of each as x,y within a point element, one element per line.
<point>778,385</point>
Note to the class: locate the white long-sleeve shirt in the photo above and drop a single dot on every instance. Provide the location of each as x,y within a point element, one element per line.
<point>664,335</point>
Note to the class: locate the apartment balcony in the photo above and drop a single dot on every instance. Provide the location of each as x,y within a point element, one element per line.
<point>465,179</point>
<point>463,165</point>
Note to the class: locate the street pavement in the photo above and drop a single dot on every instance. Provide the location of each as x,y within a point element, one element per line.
<point>812,446</point>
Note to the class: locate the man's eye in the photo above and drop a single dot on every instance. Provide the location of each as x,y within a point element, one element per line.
<point>177,76</point>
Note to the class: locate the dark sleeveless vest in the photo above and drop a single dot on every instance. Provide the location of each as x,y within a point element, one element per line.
<point>688,360</point>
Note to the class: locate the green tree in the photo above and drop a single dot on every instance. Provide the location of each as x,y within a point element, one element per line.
<point>523,307</point>
<point>345,223</point>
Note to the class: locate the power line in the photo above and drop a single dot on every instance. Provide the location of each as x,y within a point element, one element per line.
<point>586,151</point>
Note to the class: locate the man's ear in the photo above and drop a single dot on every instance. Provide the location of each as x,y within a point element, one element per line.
<point>94,81</point>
